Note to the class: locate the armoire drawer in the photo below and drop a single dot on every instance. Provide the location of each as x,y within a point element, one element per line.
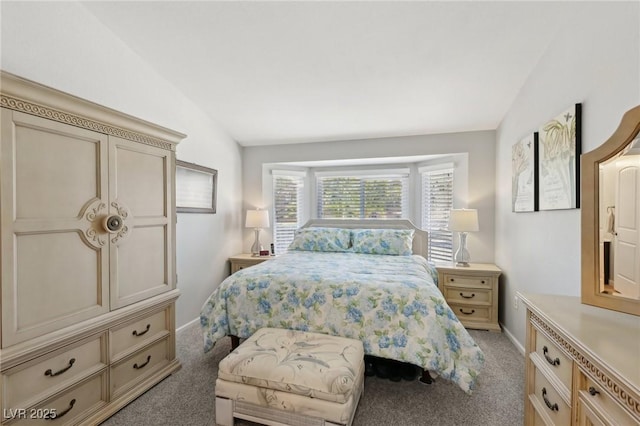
<point>549,401</point>
<point>472,281</point>
<point>554,358</point>
<point>127,373</point>
<point>471,312</point>
<point>70,407</point>
<point>601,403</point>
<point>137,333</point>
<point>41,377</point>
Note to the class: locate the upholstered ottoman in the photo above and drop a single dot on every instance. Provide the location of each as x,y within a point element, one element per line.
<point>289,377</point>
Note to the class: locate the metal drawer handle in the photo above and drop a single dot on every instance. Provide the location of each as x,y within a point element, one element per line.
<point>138,367</point>
<point>53,416</point>
<point>552,407</point>
<point>468,297</point>
<point>49,372</point>
<point>140,333</point>
<point>482,281</point>
<point>593,391</point>
<point>451,279</point>
<point>468,313</point>
<point>553,362</point>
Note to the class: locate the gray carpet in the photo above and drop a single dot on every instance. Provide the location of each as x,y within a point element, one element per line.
<point>187,397</point>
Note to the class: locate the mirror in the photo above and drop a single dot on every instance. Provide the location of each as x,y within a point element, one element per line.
<point>611,220</point>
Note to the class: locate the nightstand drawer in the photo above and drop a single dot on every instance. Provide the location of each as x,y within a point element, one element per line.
<point>467,295</point>
<point>471,312</point>
<point>475,281</point>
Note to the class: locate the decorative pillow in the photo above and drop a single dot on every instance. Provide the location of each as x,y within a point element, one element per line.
<point>382,241</point>
<point>321,239</point>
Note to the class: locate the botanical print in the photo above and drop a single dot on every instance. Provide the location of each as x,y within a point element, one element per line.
<point>390,303</point>
<point>558,166</point>
<point>523,175</point>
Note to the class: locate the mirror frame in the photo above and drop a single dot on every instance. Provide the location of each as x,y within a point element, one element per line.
<point>626,132</point>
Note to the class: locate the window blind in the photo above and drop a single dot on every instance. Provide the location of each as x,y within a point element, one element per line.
<point>363,196</point>
<point>287,202</point>
<point>437,202</point>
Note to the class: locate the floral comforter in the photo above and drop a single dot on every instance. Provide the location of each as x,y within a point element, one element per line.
<point>390,303</point>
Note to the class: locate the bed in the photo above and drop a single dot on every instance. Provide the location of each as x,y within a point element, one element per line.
<point>367,280</point>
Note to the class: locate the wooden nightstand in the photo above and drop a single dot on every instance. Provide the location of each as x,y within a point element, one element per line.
<point>472,293</point>
<point>244,260</point>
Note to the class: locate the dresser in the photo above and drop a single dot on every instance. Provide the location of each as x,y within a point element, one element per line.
<point>582,363</point>
<point>472,292</point>
<point>244,260</point>
<point>87,254</point>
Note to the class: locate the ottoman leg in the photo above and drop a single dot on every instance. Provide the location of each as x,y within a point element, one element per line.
<point>224,412</point>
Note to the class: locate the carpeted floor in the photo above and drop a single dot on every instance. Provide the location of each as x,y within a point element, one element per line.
<point>187,397</point>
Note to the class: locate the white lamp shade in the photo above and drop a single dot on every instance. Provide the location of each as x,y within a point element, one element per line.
<point>257,219</point>
<point>463,220</point>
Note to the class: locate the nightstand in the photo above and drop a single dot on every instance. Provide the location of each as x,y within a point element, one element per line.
<point>244,260</point>
<point>472,293</point>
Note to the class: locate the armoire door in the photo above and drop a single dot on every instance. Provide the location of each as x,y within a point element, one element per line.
<point>141,193</point>
<point>53,194</point>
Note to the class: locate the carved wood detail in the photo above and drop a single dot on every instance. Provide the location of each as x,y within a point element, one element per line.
<point>75,120</point>
<point>624,398</point>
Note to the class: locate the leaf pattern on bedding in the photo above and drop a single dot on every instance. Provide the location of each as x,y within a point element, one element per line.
<point>390,303</point>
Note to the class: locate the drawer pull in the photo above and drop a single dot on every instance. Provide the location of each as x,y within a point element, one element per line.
<point>140,333</point>
<point>468,313</point>
<point>468,297</point>
<point>553,362</point>
<point>593,391</point>
<point>53,416</point>
<point>482,281</point>
<point>57,373</point>
<point>552,407</point>
<point>138,367</point>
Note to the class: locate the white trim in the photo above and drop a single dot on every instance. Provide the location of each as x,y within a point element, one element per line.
<point>282,172</point>
<point>182,327</point>
<point>435,167</point>
<point>515,342</point>
<point>371,172</point>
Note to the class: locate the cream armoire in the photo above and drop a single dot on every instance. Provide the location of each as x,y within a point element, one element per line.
<point>87,256</point>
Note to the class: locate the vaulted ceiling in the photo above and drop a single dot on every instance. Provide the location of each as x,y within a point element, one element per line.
<point>285,72</point>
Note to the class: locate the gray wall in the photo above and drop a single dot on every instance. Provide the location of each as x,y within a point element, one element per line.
<point>63,46</point>
<point>594,61</point>
<point>480,147</point>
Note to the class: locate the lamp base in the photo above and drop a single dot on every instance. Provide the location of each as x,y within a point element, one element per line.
<point>256,247</point>
<point>462,257</point>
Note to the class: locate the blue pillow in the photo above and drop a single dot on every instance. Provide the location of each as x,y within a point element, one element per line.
<point>397,242</point>
<point>321,239</point>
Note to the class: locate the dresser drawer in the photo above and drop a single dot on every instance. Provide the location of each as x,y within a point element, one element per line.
<point>70,407</point>
<point>554,358</point>
<point>466,295</point>
<point>471,312</point>
<point>37,379</point>
<point>549,402</point>
<point>135,334</point>
<point>131,370</point>
<point>596,398</point>
<point>472,281</point>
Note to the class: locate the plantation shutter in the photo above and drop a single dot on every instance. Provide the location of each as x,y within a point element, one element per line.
<point>363,195</point>
<point>437,202</point>
<point>287,202</point>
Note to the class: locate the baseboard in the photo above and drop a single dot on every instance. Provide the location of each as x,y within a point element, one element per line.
<point>515,342</point>
<point>182,327</point>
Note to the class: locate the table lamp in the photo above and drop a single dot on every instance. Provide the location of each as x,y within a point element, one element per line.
<point>257,219</point>
<point>463,221</point>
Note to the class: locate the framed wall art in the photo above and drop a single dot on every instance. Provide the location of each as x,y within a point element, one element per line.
<point>195,188</point>
<point>559,145</point>
<point>524,176</point>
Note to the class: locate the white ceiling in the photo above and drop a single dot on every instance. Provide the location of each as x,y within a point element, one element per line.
<point>286,72</point>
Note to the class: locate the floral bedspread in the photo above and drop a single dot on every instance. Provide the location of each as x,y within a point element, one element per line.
<point>390,303</point>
